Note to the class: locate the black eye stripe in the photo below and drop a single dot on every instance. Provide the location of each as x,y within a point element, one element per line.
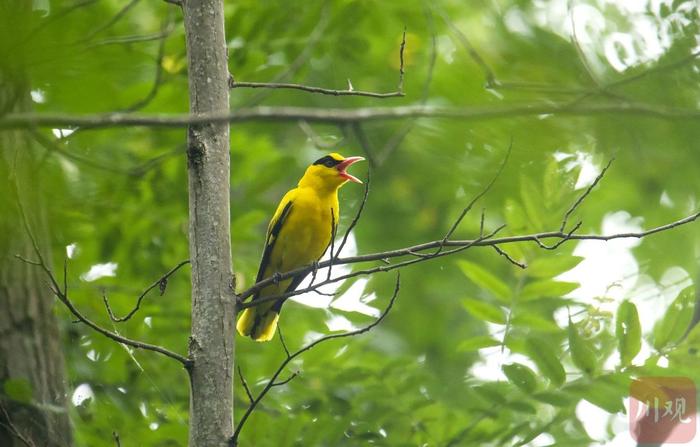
<point>327,161</point>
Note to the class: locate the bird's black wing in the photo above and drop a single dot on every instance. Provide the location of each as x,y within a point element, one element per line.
<point>299,278</point>
<point>272,234</point>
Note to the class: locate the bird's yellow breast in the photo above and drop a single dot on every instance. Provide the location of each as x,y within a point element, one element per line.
<point>305,235</point>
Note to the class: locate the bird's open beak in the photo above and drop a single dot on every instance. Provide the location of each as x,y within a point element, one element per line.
<point>344,165</point>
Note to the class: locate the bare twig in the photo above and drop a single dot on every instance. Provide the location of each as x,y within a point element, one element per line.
<point>311,89</point>
<point>326,91</point>
<point>62,294</point>
<point>113,20</point>
<point>300,60</point>
<point>284,344</point>
<point>356,218</point>
<point>51,145</point>
<point>469,48</point>
<point>401,69</point>
<point>161,283</point>
<point>273,380</point>
<point>509,258</point>
<point>166,30</point>
<point>386,267</point>
<point>397,138</point>
<point>584,195</point>
<point>14,430</point>
<point>334,229</point>
<point>484,241</point>
<point>481,194</point>
<point>287,380</point>
<point>245,384</point>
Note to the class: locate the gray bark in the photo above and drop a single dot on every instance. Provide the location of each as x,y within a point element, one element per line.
<point>33,403</point>
<point>212,338</point>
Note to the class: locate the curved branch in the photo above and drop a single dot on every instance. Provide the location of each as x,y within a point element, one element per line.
<point>62,294</point>
<point>273,380</point>
<point>161,283</point>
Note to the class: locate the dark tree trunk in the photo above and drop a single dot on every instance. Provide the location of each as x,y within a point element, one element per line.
<point>33,403</point>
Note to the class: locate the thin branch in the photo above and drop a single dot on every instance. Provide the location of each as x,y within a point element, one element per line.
<point>245,384</point>
<point>161,283</point>
<point>311,89</point>
<point>62,295</point>
<point>584,195</point>
<point>287,380</point>
<point>356,218</point>
<point>273,380</point>
<point>136,38</point>
<point>284,344</point>
<point>509,258</point>
<point>166,30</point>
<point>401,66</point>
<point>300,60</point>
<point>117,441</point>
<point>339,116</point>
<point>361,137</point>
<point>27,261</point>
<point>113,20</point>
<point>52,145</point>
<point>326,91</point>
<point>334,229</point>
<point>395,141</point>
<point>14,430</point>
<point>470,205</point>
<point>386,267</point>
<point>484,241</point>
<point>471,51</point>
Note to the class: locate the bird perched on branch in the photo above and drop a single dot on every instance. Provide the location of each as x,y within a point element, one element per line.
<point>298,234</point>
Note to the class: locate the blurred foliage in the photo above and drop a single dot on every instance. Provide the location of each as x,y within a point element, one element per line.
<point>419,378</point>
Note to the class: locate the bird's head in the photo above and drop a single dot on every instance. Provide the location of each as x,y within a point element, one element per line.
<point>330,172</point>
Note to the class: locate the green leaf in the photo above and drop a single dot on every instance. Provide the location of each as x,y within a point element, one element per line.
<point>532,201</point>
<point>582,353</point>
<point>522,407</point>
<point>628,332</point>
<point>476,343</point>
<point>547,288</point>
<point>485,279</point>
<point>553,265</point>
<point>19,390</point>
<point>520,376</point>
<point>555,398</point>
<point>544,355</point>
<point>534,321</point>
<point>676,320</point>
<point>602,393</point>
<point>484,311</point>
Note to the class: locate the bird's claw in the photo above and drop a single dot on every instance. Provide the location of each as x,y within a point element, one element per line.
<point>276,278</point>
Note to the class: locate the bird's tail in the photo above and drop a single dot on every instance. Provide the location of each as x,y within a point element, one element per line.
<point>258,324</point>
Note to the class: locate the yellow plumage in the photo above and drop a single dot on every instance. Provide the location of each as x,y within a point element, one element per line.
<point>299,233</point>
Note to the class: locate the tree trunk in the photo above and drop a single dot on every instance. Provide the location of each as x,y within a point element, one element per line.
<point>33,408</point>
<point>212,338</point>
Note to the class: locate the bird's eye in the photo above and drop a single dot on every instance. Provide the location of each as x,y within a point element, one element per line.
<point>329,163</point>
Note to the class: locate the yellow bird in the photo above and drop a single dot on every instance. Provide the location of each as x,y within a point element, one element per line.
<point>298,234</point>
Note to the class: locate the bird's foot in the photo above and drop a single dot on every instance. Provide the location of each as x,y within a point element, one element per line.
<point>276,278</point>
<point>314,268</point>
